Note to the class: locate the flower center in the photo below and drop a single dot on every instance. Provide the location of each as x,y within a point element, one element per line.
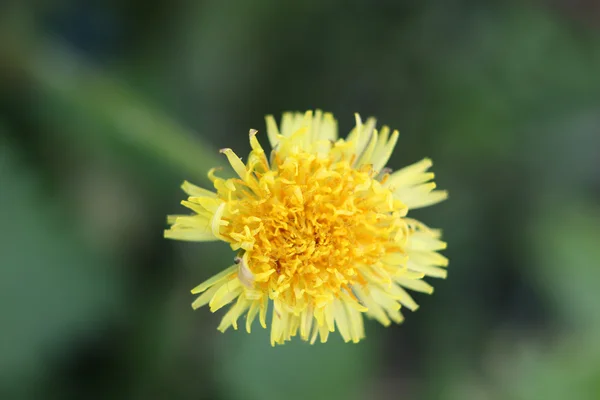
<point>309,226</point>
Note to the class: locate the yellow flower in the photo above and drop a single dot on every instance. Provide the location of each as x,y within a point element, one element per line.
<point>320,228</point>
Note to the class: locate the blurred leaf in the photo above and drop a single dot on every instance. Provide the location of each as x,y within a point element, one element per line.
<point>567,161</point>
<point>53,288</point>
<point>504,69</point>
<point>249,368</point>
<point>95,107</point>
<point>524,367</point>
<point>570,370</point>
<point>564,241</point>
<point>562,250</point>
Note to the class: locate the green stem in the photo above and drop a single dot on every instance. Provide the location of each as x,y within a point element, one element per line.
<point>86,93</point>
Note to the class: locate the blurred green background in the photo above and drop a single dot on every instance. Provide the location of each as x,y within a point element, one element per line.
<point>106,106</point>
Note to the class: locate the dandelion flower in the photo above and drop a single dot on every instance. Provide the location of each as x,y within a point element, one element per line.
<point>320,228</point>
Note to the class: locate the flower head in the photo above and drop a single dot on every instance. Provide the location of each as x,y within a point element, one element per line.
<point>320,228</point>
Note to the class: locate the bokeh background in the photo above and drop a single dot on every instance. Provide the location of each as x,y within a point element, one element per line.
<point>106,106</point>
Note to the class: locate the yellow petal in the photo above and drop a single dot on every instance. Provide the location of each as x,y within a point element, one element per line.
<point>254,307</point>
<point>381,159</point>
<point>205,297</point>
<point>190,235</point>
<point>196,191</point>
<point>221,276</point>
<point>225,295</point>
<point>416,284</point>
